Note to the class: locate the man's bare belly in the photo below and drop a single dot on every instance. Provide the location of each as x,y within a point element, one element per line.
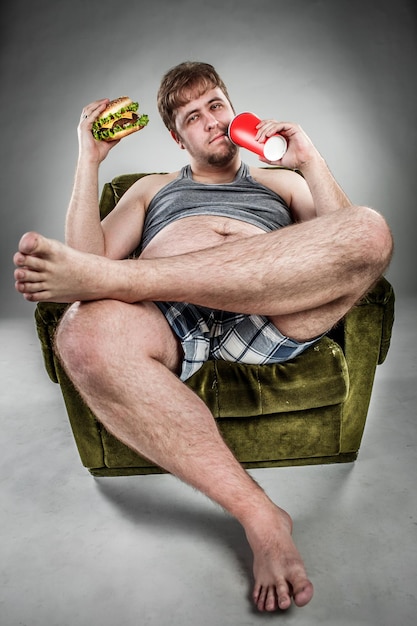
<point>196,233</point>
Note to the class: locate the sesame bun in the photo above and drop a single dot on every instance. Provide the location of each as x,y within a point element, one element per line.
<point>116,104</point>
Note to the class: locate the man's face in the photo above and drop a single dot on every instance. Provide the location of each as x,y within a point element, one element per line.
<point>202,125</point>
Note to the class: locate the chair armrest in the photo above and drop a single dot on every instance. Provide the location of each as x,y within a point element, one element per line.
<point>382,295</point>
<point>47,317</point>
<point>366,337</point>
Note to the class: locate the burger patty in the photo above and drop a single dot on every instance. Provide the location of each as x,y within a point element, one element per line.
<point>125,121</point>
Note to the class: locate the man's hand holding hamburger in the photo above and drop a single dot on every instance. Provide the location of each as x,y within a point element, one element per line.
<point>117,119</point>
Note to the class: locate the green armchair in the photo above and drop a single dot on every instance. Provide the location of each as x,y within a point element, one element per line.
<point>311,410</point>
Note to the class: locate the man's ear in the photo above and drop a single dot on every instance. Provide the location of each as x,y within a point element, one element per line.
<point>177,139</point>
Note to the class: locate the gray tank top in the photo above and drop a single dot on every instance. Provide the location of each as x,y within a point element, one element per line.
<point>243,199</point>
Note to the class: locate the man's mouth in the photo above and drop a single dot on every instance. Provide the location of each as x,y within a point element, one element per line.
<point>217,137</point>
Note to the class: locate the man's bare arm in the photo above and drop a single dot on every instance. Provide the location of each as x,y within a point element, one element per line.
<point>117,235</point>
<point>83,228</point>
<point>324,194</point>
<point>327,194</point>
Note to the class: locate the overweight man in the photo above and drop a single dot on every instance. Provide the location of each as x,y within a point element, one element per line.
<point>239,263</point>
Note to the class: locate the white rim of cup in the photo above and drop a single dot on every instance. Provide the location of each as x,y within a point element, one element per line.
<point>275,147</point>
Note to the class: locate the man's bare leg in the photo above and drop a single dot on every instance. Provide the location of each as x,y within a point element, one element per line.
<point>128,379</point>
<point>311,273</point>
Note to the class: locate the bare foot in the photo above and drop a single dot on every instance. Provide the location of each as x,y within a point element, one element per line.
<point>279,572</point>
<point>47,270</point>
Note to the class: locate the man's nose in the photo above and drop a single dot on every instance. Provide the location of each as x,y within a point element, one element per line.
<point>211,121</point>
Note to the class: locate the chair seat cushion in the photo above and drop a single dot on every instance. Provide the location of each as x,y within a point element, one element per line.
<point>270,412</point>
<point>317,378</point>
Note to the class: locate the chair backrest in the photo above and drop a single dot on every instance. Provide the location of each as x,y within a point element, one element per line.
<point>113,191</point>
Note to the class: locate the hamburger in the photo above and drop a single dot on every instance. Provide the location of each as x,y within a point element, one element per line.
<point>119,118</point>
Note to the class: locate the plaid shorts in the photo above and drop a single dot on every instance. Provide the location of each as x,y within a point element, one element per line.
<point>211,334</point>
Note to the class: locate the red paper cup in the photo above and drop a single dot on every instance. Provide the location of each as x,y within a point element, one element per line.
<point>242,131</point>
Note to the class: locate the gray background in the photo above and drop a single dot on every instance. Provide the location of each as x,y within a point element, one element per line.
<point>344,70</point>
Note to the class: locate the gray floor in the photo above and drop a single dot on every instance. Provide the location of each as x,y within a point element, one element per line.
<point>150,551</point>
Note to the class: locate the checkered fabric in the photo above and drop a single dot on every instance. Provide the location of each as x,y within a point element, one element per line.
<point>211,334</point>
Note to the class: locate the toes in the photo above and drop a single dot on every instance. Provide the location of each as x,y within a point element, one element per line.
<point>28,288</point>
<point>303,594</point>
<point>265,599</point>
<point>279,596</point>
<point>25,275</point>
<point>283,596</point>
<point>29,243</point>
<point>271,602</point>
<point>19,275</point>
<point>259,596</point>
<point>19,259</point>
<point>30,252</point>
<point>34,263</point>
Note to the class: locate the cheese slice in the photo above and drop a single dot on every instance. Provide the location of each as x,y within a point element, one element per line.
<point>127,115</point>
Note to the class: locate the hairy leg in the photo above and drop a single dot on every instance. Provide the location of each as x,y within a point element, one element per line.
<point>148,408</point>
<point>315,271</point>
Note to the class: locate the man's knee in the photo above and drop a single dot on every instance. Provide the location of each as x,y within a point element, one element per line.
<point>95,336</point>
<point>376,239</point>
<point>80,339</point>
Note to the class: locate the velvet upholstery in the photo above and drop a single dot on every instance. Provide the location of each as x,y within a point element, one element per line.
<point>309,410</point>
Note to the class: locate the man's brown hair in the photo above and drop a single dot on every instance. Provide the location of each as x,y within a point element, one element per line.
<point>181,83</point>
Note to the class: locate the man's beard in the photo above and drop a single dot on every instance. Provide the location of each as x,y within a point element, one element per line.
<point>222,158</point>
